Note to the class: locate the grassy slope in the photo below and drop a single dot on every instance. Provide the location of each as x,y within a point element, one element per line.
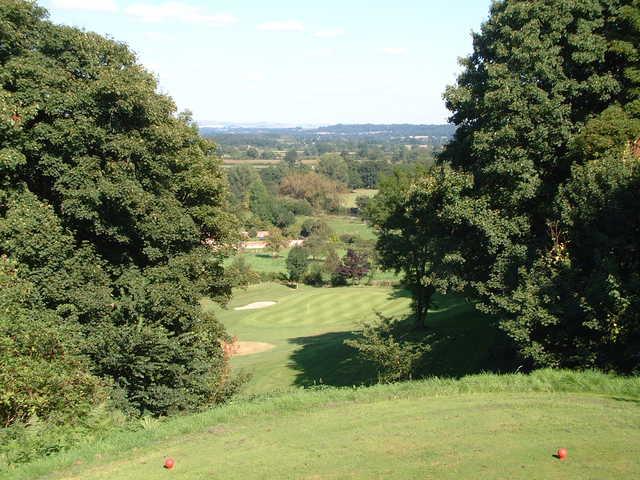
<point>484,426</point>
<point>349,199</point>
<point>308,327</point>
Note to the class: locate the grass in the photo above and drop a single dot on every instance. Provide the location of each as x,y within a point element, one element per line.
<point>349,199</point>
<point>263,261</point>
<point>308,327</point>
<point>482,426</point>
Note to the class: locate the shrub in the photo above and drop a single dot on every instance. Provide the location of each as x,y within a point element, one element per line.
<point>386,343</point>
<point>314,226</point>
<point>314,276</point>
<point>240,273</point>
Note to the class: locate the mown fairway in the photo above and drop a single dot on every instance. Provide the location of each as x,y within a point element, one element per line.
<point>307,326</point>
<point>483,427</point>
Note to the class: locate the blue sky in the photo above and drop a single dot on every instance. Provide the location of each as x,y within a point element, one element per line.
<point>294,62</point>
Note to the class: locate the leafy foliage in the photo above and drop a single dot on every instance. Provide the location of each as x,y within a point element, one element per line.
<point>389,346</point>
<point>320,191</point>
<point>106,199</point>
<point>414,236</point>
<point>354,265</point>
<point>297,263</point>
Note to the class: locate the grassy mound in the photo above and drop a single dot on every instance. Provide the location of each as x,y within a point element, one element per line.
<point>482,426</point>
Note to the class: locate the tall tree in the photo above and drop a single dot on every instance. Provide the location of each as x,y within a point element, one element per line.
<point>297,263</point>
<point>541,75</point>
<point>106,198</point>
<point>414,239</point>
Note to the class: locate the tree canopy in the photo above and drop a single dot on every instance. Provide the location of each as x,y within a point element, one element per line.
<point>547,110</point>
<point>106,198</point>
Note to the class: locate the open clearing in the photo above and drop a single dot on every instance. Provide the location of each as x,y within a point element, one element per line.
<point>307,326</point>
<point>484,427</point>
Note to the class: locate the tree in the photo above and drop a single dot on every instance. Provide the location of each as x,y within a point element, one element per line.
<point>291,158</point>
<point>354,265</point>
<point>543,78</point>
<point>241,180</point>
<point>414,239</point>
<point>106,198</point>
<point>252,152</point>
<point>276,241</point>
<point>297,263</point>
<point>315,226</point>
<point>333,166</point>
<point>320,191</point>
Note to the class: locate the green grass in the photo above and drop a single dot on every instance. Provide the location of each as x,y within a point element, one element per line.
<point>349,199</point>
<point>479,427</point>
<point>308,327</point>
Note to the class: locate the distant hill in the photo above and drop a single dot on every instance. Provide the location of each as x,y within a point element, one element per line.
<point>340,130</point>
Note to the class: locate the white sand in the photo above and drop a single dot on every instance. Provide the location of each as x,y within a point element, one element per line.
<point>256,305</point>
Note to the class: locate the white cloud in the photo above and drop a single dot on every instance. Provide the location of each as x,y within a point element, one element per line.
<point>332,33</point>
<point>86,5</point>
<point>177,12</point>
<point>282,26</point>
<point>394,50</point>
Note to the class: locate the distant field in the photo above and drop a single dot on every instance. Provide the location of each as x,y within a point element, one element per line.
<point>349,199</point>
<point>263,162</point>
<point>263,260</point>
<point>484,427</point>
<point>343,224</point>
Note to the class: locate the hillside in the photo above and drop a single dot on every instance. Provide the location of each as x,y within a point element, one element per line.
<point>482,426</point>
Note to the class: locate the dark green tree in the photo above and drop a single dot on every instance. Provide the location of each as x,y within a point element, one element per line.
<point>549,86</point>
<point>291,158</point>
<point>106,199</point>
<point>333,166</point>
<point>414,238</point>
<point>297,263</point>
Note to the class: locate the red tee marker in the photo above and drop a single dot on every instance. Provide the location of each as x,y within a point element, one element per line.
<point>562,453</point>
<point>169,463</point>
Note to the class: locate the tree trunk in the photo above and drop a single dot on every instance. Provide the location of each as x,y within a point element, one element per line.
<point>422,300</point>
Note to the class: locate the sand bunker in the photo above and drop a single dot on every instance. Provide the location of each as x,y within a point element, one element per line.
<point>256,305</point>
<point>249,348</point>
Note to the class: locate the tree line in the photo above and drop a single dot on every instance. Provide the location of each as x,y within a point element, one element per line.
<point>532,210</point>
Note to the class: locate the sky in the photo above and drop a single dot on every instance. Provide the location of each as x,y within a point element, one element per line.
<point>294,62</point>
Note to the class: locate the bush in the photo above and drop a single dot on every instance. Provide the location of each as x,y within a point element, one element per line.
<point>314,226</point>
<point>240,273</point>
<point>314,276</point>
<point>297,263</point>
<point>43,373</point>
<point>349,238</point>
<point>386,344</point>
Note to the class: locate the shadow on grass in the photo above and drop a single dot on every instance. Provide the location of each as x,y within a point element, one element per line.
<point>463,342</point>
<point>326,360</point>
